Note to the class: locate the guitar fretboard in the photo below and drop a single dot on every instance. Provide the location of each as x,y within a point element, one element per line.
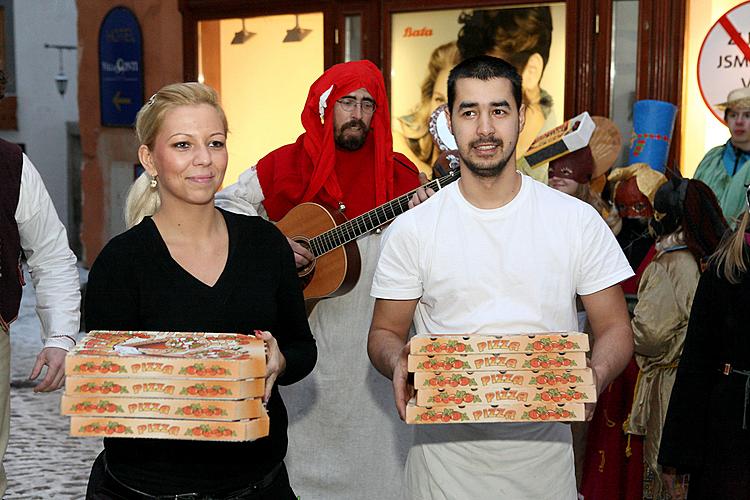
<point>368,221</point>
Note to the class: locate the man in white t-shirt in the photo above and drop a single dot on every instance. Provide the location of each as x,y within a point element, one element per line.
<point>495,252</point>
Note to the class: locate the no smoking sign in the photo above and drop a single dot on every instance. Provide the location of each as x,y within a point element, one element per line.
<point>724,60</point>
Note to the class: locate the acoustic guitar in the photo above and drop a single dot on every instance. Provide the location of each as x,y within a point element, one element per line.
<point>331,238</point>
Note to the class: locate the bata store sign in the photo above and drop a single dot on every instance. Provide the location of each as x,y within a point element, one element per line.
<point>724,60</point>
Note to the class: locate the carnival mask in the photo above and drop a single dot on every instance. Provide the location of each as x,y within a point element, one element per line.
<point>631,202</point>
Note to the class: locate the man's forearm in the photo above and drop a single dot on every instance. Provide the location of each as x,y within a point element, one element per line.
<point>384,348</point>
<point>611,353</point>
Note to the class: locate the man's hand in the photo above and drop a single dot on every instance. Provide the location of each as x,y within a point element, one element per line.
<point>302,256</point>
<point>54,358</point>
<point>275,362</point>
<point>422,194</point>
<point>591,407</point>
<point>403,390</point>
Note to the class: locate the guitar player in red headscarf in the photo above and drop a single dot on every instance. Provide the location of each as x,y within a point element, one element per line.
<point>345,439</point>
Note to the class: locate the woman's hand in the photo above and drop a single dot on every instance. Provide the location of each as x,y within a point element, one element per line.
<point>275,362</point>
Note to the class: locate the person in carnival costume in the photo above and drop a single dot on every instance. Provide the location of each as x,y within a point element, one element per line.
<point>345,441</point>
<point>707,427</point>
<point>688,224</point>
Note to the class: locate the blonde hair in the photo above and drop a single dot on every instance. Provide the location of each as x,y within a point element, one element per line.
<point>729,258</point>
<point>143,200</point>
<point>416,125</point>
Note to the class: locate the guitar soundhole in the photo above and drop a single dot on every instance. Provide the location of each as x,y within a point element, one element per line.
<point>305,273</point>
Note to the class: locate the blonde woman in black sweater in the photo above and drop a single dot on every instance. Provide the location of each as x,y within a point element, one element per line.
<point>187,266</point>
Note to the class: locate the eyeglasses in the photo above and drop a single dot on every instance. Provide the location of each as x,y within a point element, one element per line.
<point>348,104</point>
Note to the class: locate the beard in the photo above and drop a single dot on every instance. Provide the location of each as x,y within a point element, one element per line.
<point>351,142</point>
<point>487,169</point>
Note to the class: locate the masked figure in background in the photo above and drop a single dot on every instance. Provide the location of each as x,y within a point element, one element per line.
<point>635,188</point>
<point>613,466</point>
<point>345,440</point>
<point>688,224</point>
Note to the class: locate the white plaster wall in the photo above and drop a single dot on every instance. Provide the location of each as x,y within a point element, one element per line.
<point>42,112</point>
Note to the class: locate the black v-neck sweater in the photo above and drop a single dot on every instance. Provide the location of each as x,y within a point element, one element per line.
<point>135,284</point>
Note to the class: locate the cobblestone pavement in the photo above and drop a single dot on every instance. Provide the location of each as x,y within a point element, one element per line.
<point>42,461</point>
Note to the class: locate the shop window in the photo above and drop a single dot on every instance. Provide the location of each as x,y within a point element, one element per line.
<point>262,79</point>
<point>352,38</point>
<point>623,70</point>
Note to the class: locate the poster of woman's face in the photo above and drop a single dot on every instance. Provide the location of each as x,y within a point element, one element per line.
<point>425,45</point>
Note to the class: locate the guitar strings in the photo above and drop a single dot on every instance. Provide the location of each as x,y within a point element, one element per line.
<point>352,229</point>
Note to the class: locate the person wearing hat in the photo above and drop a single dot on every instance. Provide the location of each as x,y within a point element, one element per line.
<point>688,225</point>
<point>726,168</point>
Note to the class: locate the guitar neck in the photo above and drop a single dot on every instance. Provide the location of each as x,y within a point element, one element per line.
<point>369,221</point>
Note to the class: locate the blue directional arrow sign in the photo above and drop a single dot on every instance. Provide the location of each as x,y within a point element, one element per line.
<point>120,68</point>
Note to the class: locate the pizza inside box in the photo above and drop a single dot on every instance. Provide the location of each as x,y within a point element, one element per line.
<point>168,385</point>
<point>524,377</point>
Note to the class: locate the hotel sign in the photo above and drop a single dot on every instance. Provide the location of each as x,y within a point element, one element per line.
<point>120,68</point>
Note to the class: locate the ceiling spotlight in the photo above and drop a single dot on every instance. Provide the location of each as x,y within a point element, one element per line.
<point>296,34</point>
<point>242,36</point>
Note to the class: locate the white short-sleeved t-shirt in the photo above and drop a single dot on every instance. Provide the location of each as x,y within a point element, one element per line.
<point>516,268</point>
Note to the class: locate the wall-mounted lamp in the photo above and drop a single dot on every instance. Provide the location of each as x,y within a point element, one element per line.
<point>61,79</point>
<point>242,36</point>
<point>296,34</point>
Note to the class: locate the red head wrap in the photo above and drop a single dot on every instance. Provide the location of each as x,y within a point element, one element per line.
<point>335,83</point>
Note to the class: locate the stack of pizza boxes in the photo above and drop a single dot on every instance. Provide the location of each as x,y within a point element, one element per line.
<point>167,385</point>
<point>500,378</point>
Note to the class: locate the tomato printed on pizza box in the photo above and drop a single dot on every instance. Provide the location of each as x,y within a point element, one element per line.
<point>503,379</point>
<point>507,412</point>
<point>164,428</point>
<point>499,344</point>
<point>480,362</point>
<point>120,387</point>
<point>168,354</point>
<point>476,396</point>
<point>191,409</point>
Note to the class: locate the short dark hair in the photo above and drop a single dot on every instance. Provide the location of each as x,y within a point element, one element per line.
<point>517,33</point>
<point>484,68</point>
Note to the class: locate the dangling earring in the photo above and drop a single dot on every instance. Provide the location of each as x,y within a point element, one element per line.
<point>153,183</point>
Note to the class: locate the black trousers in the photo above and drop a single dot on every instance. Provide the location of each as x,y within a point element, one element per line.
<point>102,486</point>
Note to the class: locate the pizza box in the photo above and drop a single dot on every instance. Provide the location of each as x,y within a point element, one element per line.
<point>119,387</point>
<point>499,344</point>
<point>503,379</point>
<point>477,396</point>
<point>572,135</point>
<point>480,362</point>
<point>158,428</point>
<point>192,409</point>
<point>507,412</point>
<point>172,354</point>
